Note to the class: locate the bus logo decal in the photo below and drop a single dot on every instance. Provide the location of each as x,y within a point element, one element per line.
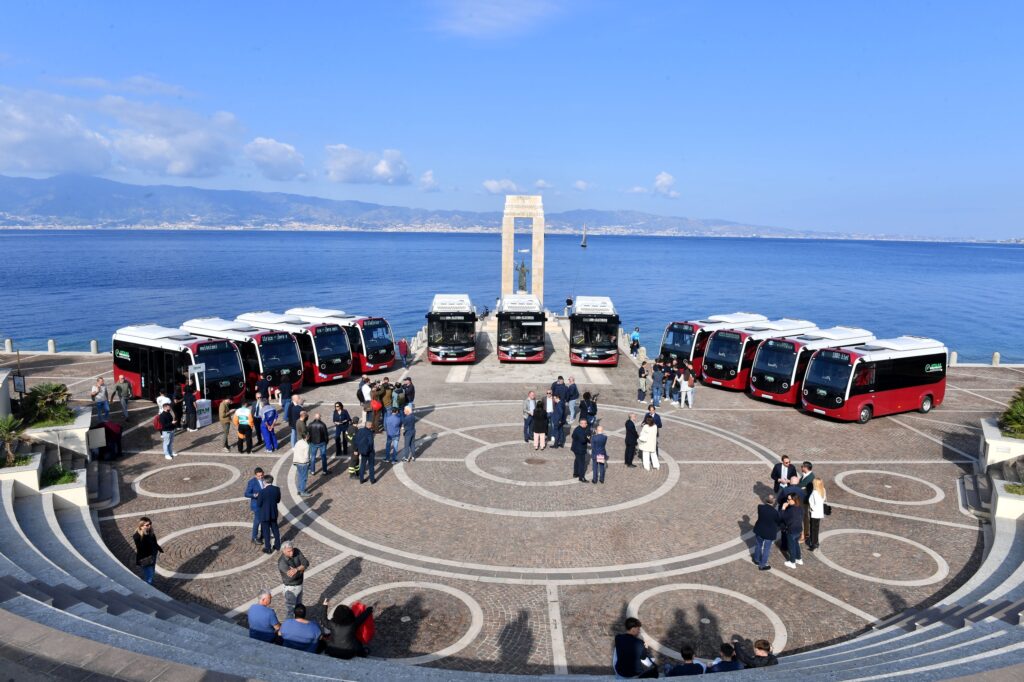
<point>933,367</point>
<point>122,354</point>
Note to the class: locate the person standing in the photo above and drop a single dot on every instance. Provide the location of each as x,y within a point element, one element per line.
<point>766,529</point>
<point>263,387</point>
<point>377,405</point>
<point>657,379</point>
<point>409,433</point>
<point>572,397</point>
<point>268,424</point>
<point>410,392</point>
<point>243,423</point>
<point>168,425</point>
<point>284,390</point>
<point>252,490</point>
<point>363,444</point>
<point>403,352</point>
<point>188,399</point>
<point>318,439</point>
<point>648,443</point>
<point>256,408</point>
<point>816,504</point>
<point>631,440</point>
<point>793,527</point>
<point>691,383</point>
<point>342,420</point>
<point>393,435</point>
<point>588,410</point>
<point>123,390</point>
<point>178,405</point>
<point>580,438</point>
<point>224,415</point>
<point>266,510</point>
<point>559,388</point>
<point>364,393</point>
<point>539,425</point>
<point>300,460</point>
<point>292,565</point>
<point>146,548</point>
<point>634,342</point>
<point>556,422</point>
<point>292,414</point>
<point>162,400</point>
<point>599,454</point>
<point>529,405</point>
<point>641,382</point>
<point>807,483</point>
<point>781,473</point>
<point>101,397</point>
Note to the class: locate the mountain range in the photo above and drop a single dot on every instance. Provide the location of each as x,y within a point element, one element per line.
<point>66,201</point>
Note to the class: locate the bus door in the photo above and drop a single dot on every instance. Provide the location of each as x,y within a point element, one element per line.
<point>355,339</point>
<point>864,383</point>
<point>250,362</point>
<point>147,386</point>
<point>307,353</point>
<point>749,350</point>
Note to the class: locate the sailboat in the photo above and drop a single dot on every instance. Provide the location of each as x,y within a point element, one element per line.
<point>583,244</point>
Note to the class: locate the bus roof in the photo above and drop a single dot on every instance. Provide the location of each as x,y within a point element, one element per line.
<point>268,320</point>
<point>593,305</point>
<point>901,344</point>
<point>831,337</point>
<point>156,336</point>
<point>452,303</point>
<point>519,303</point>
<point>775,328</point>
<point>218,327</point>
<point>734,318</point>
<point>312,314</point>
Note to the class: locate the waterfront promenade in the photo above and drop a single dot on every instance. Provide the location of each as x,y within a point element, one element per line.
<point>486,555</point>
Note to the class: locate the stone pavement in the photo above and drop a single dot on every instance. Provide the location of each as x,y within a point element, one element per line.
<point>486,555</point>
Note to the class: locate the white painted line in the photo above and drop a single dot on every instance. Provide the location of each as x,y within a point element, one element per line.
<point>936,421</point>
<point>951,524</point>
<point>457,374</point>
<point>167,573</point>
<point>322,566</point>
<point>936,498</point>
<point>203,453</point>
<point>235,474</point>
<point>933,439</point>
<point>941,567</point>
<point>792,580</point>
<point>150,512</point>
<point>984,397</point>
<point>868,460</point>
<point>558,657</point>
<point>457,432</point>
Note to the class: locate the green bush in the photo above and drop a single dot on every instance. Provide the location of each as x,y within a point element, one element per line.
<point>12,432</point>
<point>1012,421</point>
<point>47,405</point>
<point>57,475</point>
<point>1015,488</point>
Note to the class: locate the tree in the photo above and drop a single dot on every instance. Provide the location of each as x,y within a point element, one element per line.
<point>12,432</point>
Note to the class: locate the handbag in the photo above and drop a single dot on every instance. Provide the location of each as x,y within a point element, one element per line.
<point>147,561</point>
<point>828,509</point>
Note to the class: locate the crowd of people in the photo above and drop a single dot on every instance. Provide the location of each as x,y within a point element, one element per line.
<point>667,378</point>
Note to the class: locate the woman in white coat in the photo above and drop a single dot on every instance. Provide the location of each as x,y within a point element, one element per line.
<point>817,504</point>
<point>648,443</point>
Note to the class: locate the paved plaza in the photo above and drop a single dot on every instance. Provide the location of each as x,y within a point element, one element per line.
<point>486,555</point>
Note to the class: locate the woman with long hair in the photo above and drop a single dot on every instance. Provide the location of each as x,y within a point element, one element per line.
<point>817,504</point>
<point>146,548</point>
<point>341,628</point>
<point>648,443</point>
<point>540,426</point>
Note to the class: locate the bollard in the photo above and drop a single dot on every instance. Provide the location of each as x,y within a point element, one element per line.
<point>94,347</point>
<point>51,346</point>
<point>995,359</point>
<point>8,345</point>
<point>952,358</point>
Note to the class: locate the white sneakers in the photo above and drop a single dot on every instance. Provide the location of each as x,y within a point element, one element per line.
<point>790,564</point>
<point>799,562</point>
<point>167,457</point>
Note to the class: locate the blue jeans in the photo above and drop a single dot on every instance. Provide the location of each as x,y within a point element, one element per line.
<point>793,545</point>
<point>313,449</point>
<point>527,429</point>
<point>368,462</point>
<point>656,395</point>
<point>573,405</point>
<point>410,445</point>
<point>148,572</point>
<point>124,407</point>
<point>301,474</point>
<point>391,449</point>
<point>598,468</point>
<point>285,404</point>
<point>762,548</point>
<point>294,436</point>
<point>168,439</point>
<point>103,410</point>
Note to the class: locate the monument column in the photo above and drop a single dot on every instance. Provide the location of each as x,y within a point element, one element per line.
<point>537,282</point>
<point>508,253</point>
<point>522,206</point>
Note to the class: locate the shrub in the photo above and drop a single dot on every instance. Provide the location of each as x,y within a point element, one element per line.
<point>12,432</point>
<point>47,405</point>
<point>1015,488</point>
<point>1012,421</point>
<point>57,475</point>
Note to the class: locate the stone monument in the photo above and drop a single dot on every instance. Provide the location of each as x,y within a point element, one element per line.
<point>522,206</point>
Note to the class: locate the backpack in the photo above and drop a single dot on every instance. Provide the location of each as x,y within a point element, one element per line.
<point>367,629</point>
<point>156,423</point>
<point>399,396</point>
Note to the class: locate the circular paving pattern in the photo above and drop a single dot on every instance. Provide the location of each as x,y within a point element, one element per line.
<point>938,494</point>
<point>476,616</point>
<point>779,639</point>
<point>190,478</point>
<point>941,567</point>
<point>237,540</point>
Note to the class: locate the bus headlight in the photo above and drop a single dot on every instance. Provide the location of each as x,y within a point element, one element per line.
<point>705,368</point>
<point>753,378</point>
<point>732,372</point>
<point>241,384</point>
<point>805,391</point>
<point>784,385</point>
<point>838,400</point>
<point>323,365</point>
<point>299,373</point>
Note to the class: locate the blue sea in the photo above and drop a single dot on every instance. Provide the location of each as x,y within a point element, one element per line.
<point>73,286</point>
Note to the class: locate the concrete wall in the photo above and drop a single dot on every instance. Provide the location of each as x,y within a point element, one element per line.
<point>5,392</point>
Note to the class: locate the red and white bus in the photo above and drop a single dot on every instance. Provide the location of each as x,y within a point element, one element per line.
<point>881,377</point>
<point>593,332</point>
<point>152,358</point>
<point>324,348</point>
<point>520,328</point>
<point>370,338</point>
<point>730,352</point>
<point>687,340</point>
<point>451,330</point>
<point>780,364</point>
<point>273,354</point>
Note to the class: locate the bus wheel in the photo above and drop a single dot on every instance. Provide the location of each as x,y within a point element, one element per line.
<point>926,405</point>
<point>865,414</point>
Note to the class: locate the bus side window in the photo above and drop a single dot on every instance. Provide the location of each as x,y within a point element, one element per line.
<point>250,363</point>
<point>748,355</point>
<point>306,348</point>
<point>864,379</point>
<point>801,364</point>
<point>354,339</point>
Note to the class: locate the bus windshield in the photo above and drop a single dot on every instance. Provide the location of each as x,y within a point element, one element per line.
<point>278,351</point>
<point>776,358</point>
<point>331,343</point>
<point>679,338</point>
<point>519,331</point>
<point>595,334</point>
<point>376,335</point>
<point>829,372</point>
<point>221,360</point>
<point>724,347</point>
<point>458,332</point>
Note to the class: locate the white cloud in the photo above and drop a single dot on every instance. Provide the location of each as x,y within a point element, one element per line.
<point>38,134</point>
<point>637,189</point>
<point>345,164</point>
<point>581,185</point>
<point>276,160</point>
<point>428,183</point>
<point>542,184</point>
<point>505,186</point>
<point>492,18</point>
<point>664,184</point>
<point>138,84</point>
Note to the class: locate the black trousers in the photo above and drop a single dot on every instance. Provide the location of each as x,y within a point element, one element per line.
<point>579,465</point>
<point>340,442</point>
<point>245,436</point>
<point>257,431</point>
<point>812,540</point>
<point>630,453</point>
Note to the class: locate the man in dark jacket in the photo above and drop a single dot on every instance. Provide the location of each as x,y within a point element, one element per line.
<point>556,421</point>
<point>572,399</point>
<point>318,438</point>
<point>766,529</point>
<point>726,661</point>
<point>632,436</point>
<point>167,426</point>
<point>266,511</point>
<point>560,389</point>
<point>580,438</point>
<point>781,473</point>
<point>252,490</point>
<point>363,444</point>
<point>762,658</point>
<point>410,393</point>
<point>630,657</point>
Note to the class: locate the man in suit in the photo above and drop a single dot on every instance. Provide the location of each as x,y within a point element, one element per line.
<point>632,436</point>
<point>363,443</point>
<point>766,529</point>
<point>266,510</point>
<point>529,405</point>
<point>580,437</point>
<point>557,421</point>
<point>781,473</point>
<point>252,490</point>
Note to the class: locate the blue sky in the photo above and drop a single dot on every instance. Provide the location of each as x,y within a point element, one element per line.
<point>872,117</point>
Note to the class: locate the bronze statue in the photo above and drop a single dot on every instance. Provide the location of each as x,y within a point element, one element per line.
<point>522,270</point>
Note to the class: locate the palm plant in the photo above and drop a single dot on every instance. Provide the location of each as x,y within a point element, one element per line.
<point>48,402</point>
<point>1012,421</point>
<point>12,432</point>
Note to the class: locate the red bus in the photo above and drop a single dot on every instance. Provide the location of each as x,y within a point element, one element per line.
<point>451,330</point>
<point>152,358</point>
<point>687,340</point>
<point>730,352</point>
<point>370,338</point>
<point>882,377</point>
<point>520,328</point>
<point>593,332</point>
<point>275,355</point>
<point>324,348</point>
<point>780,364</point>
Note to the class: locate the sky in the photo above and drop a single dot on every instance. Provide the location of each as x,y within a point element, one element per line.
<point>865,117</point>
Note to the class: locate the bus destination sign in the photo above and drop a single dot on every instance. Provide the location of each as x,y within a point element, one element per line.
<point>276,337</point>
<point>836,355</point>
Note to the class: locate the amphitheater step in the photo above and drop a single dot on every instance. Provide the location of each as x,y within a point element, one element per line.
<point>977,495</point>
<point>868,644</point>
<point>92,480</point>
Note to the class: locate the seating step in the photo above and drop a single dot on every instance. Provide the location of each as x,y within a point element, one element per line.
<point>976,495</point>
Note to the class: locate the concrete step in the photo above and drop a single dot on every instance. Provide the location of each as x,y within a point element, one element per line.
<point>108,492</point>
<point>1004,556</point>
<point>868,644</point>
<point>976,495</point>
<point>92,482</point>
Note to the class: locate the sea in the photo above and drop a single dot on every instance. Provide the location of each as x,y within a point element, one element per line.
<point>73,286</point>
